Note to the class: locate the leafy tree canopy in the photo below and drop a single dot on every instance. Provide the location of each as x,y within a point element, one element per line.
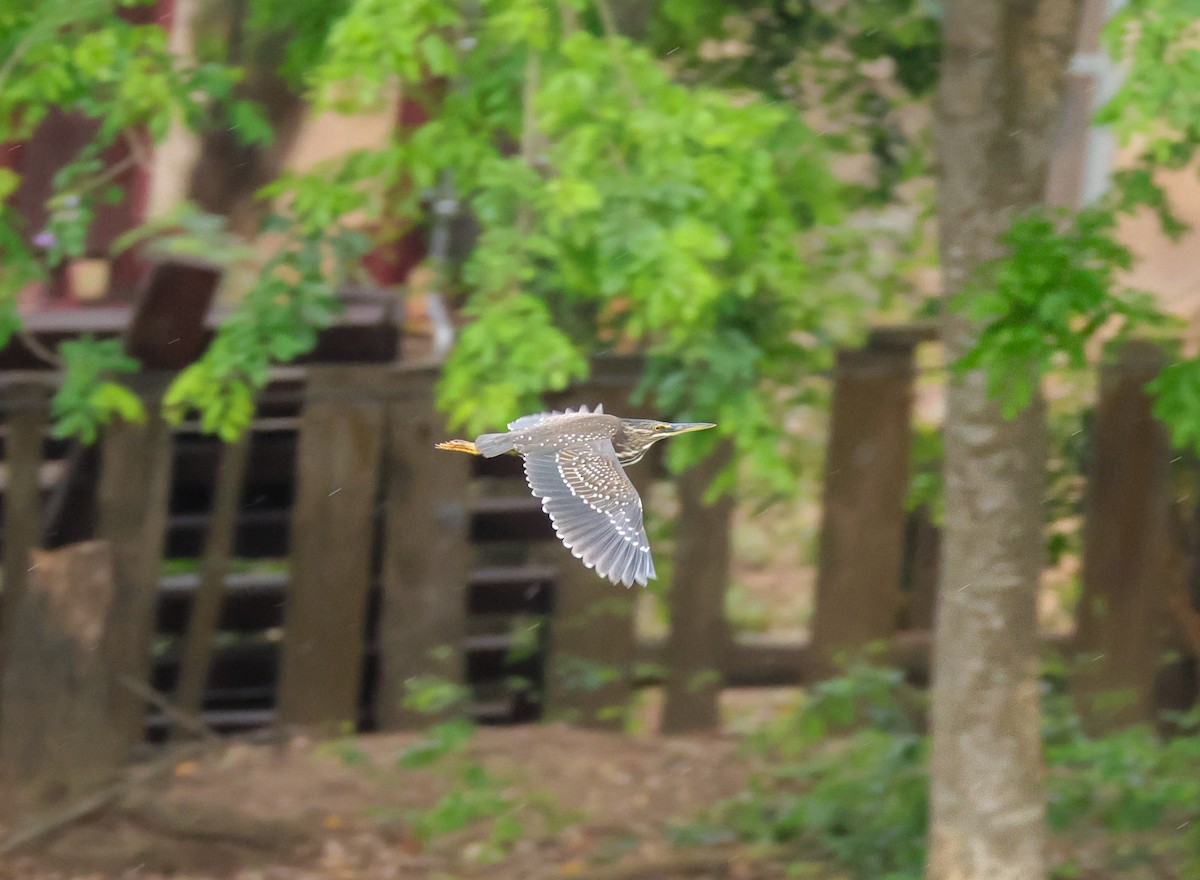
<point>627,195</point>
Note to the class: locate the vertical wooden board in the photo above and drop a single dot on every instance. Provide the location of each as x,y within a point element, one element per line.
<point>699,635</point>
<point>333,535</point>
<point>858,597</point>
<point>132,502</point>
<point>22,498</point>
<point>196,652</point>
<point>589,668</point>
<point>1129,569</point>
<point>426,554</point>
<point>922,558</point>
<point>59,736</point>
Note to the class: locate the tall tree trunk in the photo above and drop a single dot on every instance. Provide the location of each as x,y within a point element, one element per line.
<point>1000,99</point>
<point>228,172</point>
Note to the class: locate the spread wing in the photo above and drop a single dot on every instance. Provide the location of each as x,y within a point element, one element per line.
<point>596,511</point>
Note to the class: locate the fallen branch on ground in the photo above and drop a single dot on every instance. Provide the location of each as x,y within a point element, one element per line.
<point>105,797</point>
<point>134,778</point>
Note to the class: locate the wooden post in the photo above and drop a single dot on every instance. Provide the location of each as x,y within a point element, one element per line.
<point>22,499</point>
<point>589,673</point>
<point>133,495</point>
<point>1129,570</point>
<point>858,597</point>
<point>61,733</point>
<point>922,557</point>
<point>699,637</point>
<point>427,552</point>
<point>196,653</point>
<point>333,535</point>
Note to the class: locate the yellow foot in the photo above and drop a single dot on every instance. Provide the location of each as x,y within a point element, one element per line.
<point>459,446</point>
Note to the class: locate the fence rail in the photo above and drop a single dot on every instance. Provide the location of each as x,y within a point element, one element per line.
<point>376,562</point>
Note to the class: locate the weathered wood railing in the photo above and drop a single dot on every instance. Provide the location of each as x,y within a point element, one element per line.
<point>404,565</point>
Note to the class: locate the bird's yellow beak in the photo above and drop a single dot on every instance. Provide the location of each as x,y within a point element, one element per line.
<point>685,427</point>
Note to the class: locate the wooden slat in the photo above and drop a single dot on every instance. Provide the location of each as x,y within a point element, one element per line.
<point>132,500</point>
<point>427,552</point>
<point>262,533</point>
<point>699,634</point>
<point>1129,570</point>
<point>753,661</point>
<point>206,605</point>
<point>22,499</point>
<point>254,601</point>
<point>858,597</point>
<point>364,332</point>
<point>337,483</point>
<point>509,518</point>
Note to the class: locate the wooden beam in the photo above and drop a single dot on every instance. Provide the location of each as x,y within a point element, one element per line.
<point>858,596</point>
<point>198,638</point>
<point>22,498</point>
<point>426,556</point>
<point>333,538</point>
<point>699,635</point>
<point>132,500</point>
<point>1129,570</point>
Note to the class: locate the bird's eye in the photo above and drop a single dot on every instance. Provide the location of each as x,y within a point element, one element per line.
<point>660,427</point>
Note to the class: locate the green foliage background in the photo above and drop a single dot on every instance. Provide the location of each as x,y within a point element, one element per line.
<point>627,195</point>
<point>661,194</point>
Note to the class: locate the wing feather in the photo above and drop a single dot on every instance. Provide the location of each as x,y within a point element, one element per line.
<point>595,509</point>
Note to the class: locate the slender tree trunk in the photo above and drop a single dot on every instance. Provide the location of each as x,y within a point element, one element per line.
<point>228,173</point>
<point>1002,86</point>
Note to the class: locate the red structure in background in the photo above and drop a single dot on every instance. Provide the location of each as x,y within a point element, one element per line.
<point>390,264</point>
<point>60,138</point>
<point>55,143</point>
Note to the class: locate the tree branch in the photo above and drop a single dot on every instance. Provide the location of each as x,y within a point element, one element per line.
<point>612,35</point>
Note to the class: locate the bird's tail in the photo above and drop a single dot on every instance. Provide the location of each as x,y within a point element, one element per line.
<point>459,446</point>
<point>487,445</point>
<point>491,445</point>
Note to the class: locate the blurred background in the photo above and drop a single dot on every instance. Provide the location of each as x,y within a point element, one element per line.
<point>928,598</point>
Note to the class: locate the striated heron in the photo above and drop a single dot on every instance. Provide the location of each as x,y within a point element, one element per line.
<point>575,462</point>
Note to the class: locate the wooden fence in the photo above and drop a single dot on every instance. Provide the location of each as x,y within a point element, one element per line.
<point>344,566</point>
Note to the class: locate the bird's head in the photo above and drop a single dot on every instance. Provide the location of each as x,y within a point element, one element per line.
<point>638,435</point>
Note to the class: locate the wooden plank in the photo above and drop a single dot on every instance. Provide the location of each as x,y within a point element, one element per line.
<point>427,553</point>
<point>509,518</point>
<point>132,500</point>
<point>333,536</point>
<point>753,661</point>
<point>1129,569</point>
<point>589,667</point>
<point>699,635</point>
<point>206,606</point>
<point>61,734</point>
<point>254,601</point>
<point>22,498</point>
<point>858,597</point>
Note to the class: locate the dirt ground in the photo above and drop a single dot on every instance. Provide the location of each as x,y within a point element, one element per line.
<point>560,802</point>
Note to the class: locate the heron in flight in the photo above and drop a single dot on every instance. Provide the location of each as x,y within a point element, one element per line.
<point>575,463</point>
